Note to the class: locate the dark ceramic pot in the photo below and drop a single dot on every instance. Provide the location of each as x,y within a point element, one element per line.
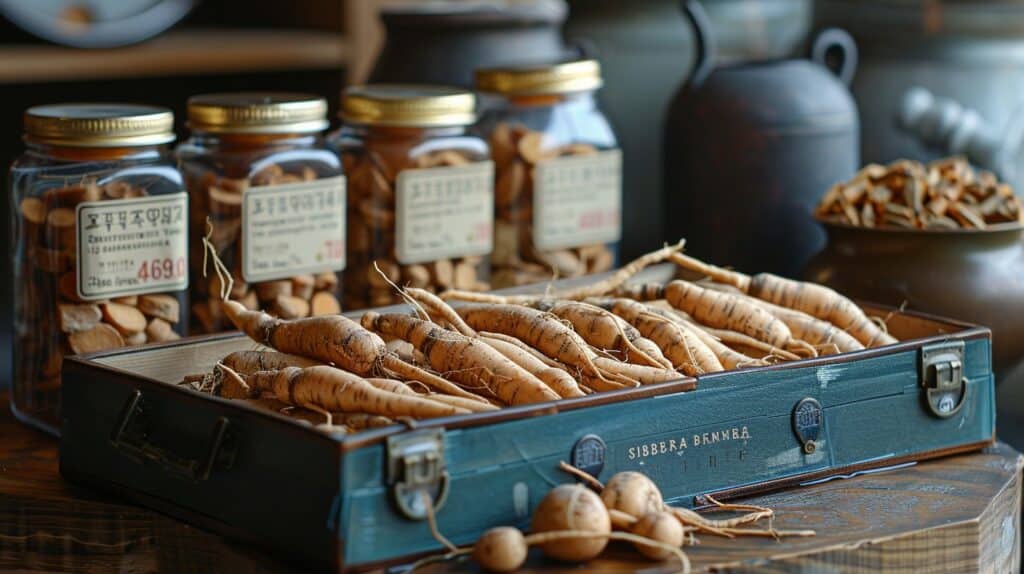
<point>974,276</point>
<point>445,43</point>
<point>750,148</point>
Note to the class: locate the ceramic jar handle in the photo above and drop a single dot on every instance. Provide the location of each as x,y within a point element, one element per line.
<point>836,41</point>
<point>703,41</point>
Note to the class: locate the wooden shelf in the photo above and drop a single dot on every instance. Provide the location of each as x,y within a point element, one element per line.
<point>179,52</point>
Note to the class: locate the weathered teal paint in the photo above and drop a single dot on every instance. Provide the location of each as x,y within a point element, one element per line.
<point>873,411</point>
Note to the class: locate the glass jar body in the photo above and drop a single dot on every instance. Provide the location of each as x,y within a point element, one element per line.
<point>420,211</point>
<point>272,207</point>
<point>558,189</point>
<point>99,261</point>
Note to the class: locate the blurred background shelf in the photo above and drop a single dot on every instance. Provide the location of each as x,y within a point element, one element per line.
<point>197,51</point>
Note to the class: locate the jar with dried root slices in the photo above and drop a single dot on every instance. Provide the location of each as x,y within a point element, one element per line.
<point>100,222</point>
<point>421,192</point>
<point>268,195</point>
<point>558,192</point>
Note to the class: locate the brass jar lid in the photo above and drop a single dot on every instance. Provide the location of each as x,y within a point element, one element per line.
<point>408,106</point>
<point>257,113</point>
<point>99,125</point>
<point>532,80</point>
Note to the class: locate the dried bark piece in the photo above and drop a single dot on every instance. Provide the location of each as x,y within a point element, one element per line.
<point>416,276</point>
<point>465,276</point>
<point>33,211</point>
<point>302,286</point>
<point>102,337</point>
<point>604,261</point>
<point>160,331</point>
<point>60,228</point>
<point>117,189</point>
<point>867,215</point>
<point>324,303</point>
<point>443,158</point>
<point>268,291</point>
<point>236,185</point>
<point>267,176</point>
<point>74,318</point>
<point>290,307</point>
<point>224,202</point>
<point>531,148</point>
<point>443,273</point>
<point>938,205</point>
<point>132,300</point>
<point>136,339</point>
<point>325,281</point>
<point>164,307</point>
<point>126,319</point>
<point>966,216</point>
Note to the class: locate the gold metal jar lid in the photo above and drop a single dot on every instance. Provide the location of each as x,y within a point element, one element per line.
<point>533,80</point>
<point>258,113</point>
<point>99,125</point>
<point>408,106</point>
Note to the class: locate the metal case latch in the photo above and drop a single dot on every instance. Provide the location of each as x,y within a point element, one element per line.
<point>416,472</point>
<point>942,376</point>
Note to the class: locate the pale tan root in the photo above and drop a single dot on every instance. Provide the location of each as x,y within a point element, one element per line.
<point>716,274</point>
<point>538,329</point>
<point>729,358</point>
<point>329,389</point>
<point>464,359</point>
<point>740,342</point>
<point>608,285</point>
<point>725,311</point>
<point>559,380</point>
<point>249,362</point>
<point>644,374</point>
<point>391,364</point>
<point>523,346</point>
<point>603,330</point>
<point>439,310</point>
<point>620,277</point>
<point>686,352</point>
<point>815,331</point>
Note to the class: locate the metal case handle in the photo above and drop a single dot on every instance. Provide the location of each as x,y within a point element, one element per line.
<point>131,437</point>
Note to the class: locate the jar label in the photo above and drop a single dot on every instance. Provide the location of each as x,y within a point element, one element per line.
<point>577,200</point>
<point>444,212</point>
<point>293,229</point>
<point>132,246</point>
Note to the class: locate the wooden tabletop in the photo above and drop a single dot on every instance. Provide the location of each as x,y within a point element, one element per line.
<point>953,515</point>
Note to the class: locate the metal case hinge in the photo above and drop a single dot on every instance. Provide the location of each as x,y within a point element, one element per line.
<point>416,472</point>
<point>942,377</point>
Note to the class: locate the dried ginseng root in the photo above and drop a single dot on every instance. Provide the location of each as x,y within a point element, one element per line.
<point>420,193</point>
<point>945,194</point>
<point>272,205</point>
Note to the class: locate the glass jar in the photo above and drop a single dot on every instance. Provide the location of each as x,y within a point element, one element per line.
<point>268,195</point>
<point>99,217</point>
<point>558,192</point>
<point>421,192</point>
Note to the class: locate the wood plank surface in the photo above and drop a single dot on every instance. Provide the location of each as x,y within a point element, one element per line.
<point>178,52</point>
<point>951,515</point>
